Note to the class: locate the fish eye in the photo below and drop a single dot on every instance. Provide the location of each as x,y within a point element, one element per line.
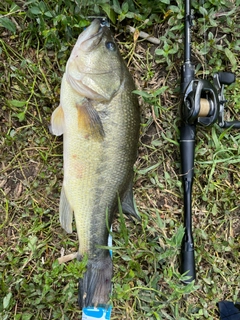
<point>111,46</point>
<point>104,22</point>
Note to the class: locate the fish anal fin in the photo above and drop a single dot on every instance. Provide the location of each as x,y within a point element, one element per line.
<point>65,213</point>
<point>128,203</point>
<point>57,121</point>
<point>89,121</point>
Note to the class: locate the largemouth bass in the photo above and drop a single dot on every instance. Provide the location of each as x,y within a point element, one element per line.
<point>99,118</point>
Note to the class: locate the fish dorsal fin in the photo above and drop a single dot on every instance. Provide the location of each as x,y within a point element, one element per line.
<point>57,121</point>
<point>128,203</point>
<point>89,121</point>
<point>65,212</point>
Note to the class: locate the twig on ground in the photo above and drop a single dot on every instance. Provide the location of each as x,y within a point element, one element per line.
<point>67,258</point>
<point>144,35</point>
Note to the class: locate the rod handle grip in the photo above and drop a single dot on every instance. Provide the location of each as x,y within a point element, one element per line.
<point>188,264</point>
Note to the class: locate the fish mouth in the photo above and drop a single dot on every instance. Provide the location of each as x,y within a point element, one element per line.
<point>92,36</point>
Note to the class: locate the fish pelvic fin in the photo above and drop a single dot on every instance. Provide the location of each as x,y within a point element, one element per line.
<point>128,204</point>
<point>65,213</point>
<point>57,121</point>
<point>95,286</point>
<point>89,121</point>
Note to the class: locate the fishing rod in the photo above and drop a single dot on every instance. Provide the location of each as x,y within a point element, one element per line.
<point>203,104</point>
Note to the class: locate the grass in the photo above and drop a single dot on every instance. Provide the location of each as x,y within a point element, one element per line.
<point>36,39</point>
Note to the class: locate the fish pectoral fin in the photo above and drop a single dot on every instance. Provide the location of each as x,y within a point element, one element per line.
<point>57,121</point>
<point>89,121</point>
<point>65,213</point>
<point>128,204</point>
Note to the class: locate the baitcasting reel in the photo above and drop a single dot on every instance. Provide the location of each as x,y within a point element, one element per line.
<point>204,102</point>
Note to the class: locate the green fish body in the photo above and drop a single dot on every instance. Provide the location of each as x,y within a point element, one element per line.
<point>99,118</point>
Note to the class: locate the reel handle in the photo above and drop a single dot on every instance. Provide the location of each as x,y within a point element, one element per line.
<point>220,79</point>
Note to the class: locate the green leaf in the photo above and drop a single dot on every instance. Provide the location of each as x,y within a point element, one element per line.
<point>207,280</point>
<point>17,103</point>
<point>35,10</point>
<point>231,58</point>
<point>32,243</point>
<point>26,316</point>
<point>109,11</point>
<point>203,11</point>
<point>125,7</point>
<point>8,24</point>
<point>159,91</point>
<point>160,52</point>
<point>116,7</point>
<point>146,170</point>
<point>176,240</point>
<point>143,94</point>
<point>14,7</point>
<point>6,300</point>
<point>126,258</point>
<point>21,116</point>
<point>48,14</point>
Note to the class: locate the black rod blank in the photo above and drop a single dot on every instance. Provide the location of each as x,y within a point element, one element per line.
<point>187,152</point>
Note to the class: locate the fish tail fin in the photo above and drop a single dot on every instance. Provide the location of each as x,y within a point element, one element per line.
<point>95,286</point>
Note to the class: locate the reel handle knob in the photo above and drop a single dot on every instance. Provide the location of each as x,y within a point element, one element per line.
<point>226,78</point>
